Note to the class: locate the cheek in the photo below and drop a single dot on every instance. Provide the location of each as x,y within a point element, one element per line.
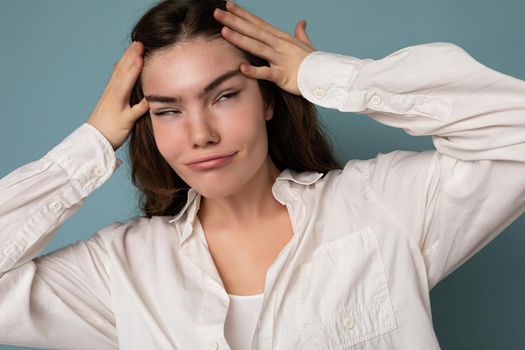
<point>246,122</point>
<point>247,130</point>
<point>167,140</point>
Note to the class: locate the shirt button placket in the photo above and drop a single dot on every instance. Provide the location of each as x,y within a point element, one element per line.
<point>214,345</point>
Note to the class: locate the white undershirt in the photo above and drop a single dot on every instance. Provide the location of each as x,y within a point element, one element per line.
<point>241,320</point>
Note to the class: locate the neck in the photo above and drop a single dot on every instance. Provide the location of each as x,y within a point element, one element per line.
<point>252,203</point>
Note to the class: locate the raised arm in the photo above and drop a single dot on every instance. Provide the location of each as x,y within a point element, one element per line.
<point>450,202</point>
<point>63,300</point>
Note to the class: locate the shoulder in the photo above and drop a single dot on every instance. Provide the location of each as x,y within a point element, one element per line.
<point>139,231</point>
<point>359,175</point>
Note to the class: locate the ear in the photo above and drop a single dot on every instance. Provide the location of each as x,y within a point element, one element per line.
<point>268,113</point>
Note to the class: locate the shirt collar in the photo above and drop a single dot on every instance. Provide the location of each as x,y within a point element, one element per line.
<point>191,196</point>
<point>186,217</point>
<point>305,178</point>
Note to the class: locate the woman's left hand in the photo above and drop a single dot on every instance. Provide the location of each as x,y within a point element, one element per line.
<point>283,52</point>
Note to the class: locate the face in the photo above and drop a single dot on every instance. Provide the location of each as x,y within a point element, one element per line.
<point>209,120</point>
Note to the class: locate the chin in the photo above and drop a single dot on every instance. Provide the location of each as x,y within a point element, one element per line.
<point>214,191</point>
<point>224,183</point>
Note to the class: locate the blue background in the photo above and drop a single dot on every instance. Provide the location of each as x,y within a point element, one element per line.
<point>56,57</point>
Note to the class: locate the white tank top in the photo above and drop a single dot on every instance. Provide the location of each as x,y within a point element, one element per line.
<point>241,320</point>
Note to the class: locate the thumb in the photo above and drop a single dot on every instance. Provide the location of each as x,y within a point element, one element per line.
<point>139,109</point>
<point>300,33</point>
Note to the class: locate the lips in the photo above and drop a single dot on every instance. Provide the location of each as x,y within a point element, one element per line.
<point>210,162</point>
<point>208,158</point>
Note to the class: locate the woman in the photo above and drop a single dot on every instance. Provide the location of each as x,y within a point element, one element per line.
<point>251,243</point>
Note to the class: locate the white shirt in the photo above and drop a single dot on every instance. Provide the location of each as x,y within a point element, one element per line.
<point>369,242</point>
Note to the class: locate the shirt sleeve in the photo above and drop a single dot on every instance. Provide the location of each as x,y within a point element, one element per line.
<point>61,300</point>
<point>454,200</point>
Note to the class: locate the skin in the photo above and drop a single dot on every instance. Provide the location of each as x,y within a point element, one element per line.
<point>242,221</point>
<point>114,117</point>
<point>283,51</point>
<point>245,226</point>
<point>218,123</point>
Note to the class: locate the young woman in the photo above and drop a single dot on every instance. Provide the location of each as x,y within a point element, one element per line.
<point>252,235</point>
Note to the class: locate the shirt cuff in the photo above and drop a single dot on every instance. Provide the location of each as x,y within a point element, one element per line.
<point>324,78</point>
<point>86,156</point>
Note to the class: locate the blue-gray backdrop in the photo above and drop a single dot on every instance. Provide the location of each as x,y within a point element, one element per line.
<point>56,57</point>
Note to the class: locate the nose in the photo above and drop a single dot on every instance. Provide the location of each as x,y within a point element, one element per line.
<point>202,132</point>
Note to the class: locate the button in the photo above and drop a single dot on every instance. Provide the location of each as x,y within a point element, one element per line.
<point>319,93</point>
<point>214,345</point>
<point>95,321</point>
<point>55,206</point>
<point>99,171</point>
<point>348,323</point>
<point>377,100</point>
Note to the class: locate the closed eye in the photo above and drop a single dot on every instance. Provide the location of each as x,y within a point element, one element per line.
<point>228,95</point>
<point>175,112</point>
<point>163,113</point>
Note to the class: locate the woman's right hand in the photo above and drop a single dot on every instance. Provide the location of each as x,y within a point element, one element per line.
<point>113,116</point>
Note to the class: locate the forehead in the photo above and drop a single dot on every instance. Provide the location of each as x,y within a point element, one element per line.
<point>189,66</point>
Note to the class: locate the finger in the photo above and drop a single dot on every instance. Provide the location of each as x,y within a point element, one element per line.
<point>245,27</point>
<point>127,73</point>
<point>248,16</point>
<point>139,109</point>
<point>129,77</point>
<point>253,72</point>
<point>125,57</point>
<point>300,33</point>
<point>128,64</point>
<point>128,55</point>
<point>253,46</point>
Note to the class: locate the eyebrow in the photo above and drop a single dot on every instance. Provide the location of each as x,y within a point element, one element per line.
<point>210,87</point>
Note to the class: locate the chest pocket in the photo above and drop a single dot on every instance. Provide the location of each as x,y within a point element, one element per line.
<point>343,294</point>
